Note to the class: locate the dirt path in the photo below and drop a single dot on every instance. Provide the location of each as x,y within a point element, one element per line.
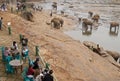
<point>70,59</point>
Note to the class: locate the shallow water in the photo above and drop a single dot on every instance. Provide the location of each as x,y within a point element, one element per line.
<point>108,12</point>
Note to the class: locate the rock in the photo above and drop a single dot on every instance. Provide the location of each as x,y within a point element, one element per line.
<point>90,44</point>
<point>48,23</point>
<point>93,47</point>
<point>114,54</point>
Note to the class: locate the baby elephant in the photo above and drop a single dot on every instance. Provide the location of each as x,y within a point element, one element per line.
<point>57,22</point>
<point>95,18</point>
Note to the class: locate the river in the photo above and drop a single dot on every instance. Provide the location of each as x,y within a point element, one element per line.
<point>101,35</point>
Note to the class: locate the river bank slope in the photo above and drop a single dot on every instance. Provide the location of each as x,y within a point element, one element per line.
<point>70,59</point>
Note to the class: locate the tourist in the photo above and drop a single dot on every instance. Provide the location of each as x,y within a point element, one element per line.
<point>1,23</point>
<point>3,7</point>
<point>7,51</point>
<point>30,73</point>
<point>36,64</point>
<point>40,76</point>
<point>24,41</point>
<point>97,50</point>
<point>48,77</point>
<point>45,71</point>
<point>14,45</point>
<point>24,51</point>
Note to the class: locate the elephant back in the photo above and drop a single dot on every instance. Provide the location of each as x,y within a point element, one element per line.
<point>112,24</point>
<point>87,22</point>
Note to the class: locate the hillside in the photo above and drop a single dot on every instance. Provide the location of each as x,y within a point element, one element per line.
<point>70,59</point>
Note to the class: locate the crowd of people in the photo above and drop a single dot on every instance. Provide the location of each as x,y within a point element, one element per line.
<point>34,69</point>
<point>37,73</point>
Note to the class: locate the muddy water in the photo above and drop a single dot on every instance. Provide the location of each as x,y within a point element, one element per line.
<point>108,12</point>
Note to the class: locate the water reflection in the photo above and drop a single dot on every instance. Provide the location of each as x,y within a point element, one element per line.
<point>86,33</point>
<point>113,32</point>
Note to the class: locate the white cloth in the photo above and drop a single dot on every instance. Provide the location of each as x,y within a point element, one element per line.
<point>38,78</point>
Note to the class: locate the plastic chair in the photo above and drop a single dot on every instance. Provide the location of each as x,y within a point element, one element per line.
<point>24,75</point>
<point>8,59</point>
<point>3,56</point>
<point>17,56</point>
<point>9,68</point>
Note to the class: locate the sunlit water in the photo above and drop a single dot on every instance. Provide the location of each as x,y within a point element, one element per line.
<point>99,35</point>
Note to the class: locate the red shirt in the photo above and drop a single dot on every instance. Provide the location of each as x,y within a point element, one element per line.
<point>30,71</point>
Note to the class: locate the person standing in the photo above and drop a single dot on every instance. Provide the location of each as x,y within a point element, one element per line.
<point>14,45</point>
<point>24,41</point>
<point>1,23</point>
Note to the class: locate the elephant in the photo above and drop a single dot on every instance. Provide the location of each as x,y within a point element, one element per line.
<point>87,22</point>
<point>54,5</point>
<point>95,18</point>
<point>90,13</point>
<point>114,24</point>
<point>57,22</point>
<point>28,15</point>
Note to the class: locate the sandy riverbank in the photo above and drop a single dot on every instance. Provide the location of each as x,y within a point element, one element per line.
<point>70,59</point>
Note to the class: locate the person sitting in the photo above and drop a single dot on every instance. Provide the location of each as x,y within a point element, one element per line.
<point>45,71</point>
<point>97,50</point>
<point>40,76</point>
<point>8,58</point>
<point>7,51</point>
<point>30,70</point>
<point>36,64</point>
<point>24,41</point>
<point>48,77</point>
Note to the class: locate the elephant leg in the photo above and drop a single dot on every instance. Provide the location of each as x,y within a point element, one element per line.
<point>61,25</point>
<point>86,28</point>
<point>115,28</point>
<point>51,24</point>
<point>56,7</point>
<point>91,27</point>
<point>54,25</point>
<point>110,28</point>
